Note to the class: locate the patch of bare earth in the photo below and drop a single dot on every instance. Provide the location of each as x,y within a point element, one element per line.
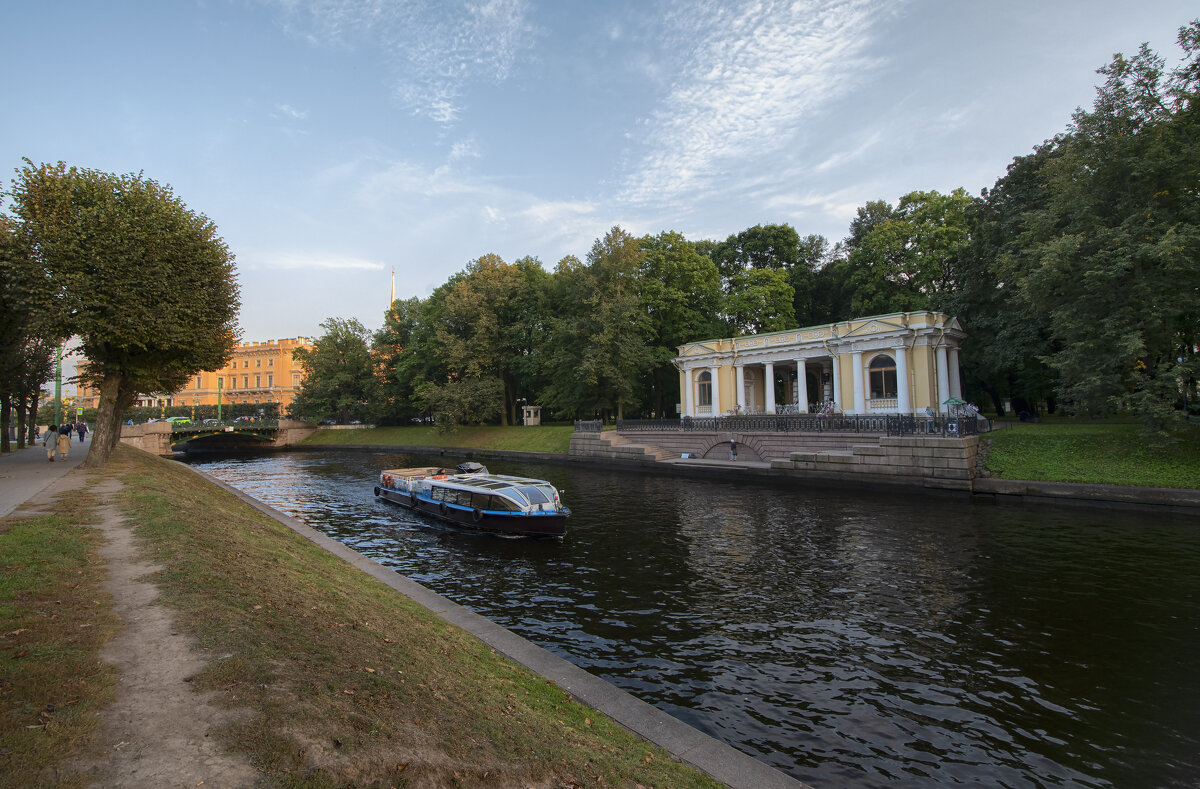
<point>156,733</point>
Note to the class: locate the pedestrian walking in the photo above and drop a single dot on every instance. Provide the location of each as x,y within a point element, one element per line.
<point>82,427</point>
<point>50,442</point>
<point>64,441</point>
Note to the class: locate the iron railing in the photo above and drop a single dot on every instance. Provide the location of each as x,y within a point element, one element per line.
<point>879,424</point>
<point>594,426</point>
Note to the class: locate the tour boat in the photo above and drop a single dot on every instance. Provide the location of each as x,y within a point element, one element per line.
<point>473,498</point>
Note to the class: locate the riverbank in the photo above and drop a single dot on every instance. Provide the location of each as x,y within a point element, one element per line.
<point>1114,450</point>
<point>324,676</point>
<point>1112,454</point>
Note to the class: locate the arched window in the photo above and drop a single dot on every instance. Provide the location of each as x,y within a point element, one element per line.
<point>883,377</point>
<point>704,389</point>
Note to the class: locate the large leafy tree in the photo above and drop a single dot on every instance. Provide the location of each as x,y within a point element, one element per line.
<point>905,259</point>
<point>1116,248</point>
<point>398,362</point>
<point>338,381</point>
<point>25,353</point>
<point>492,326</point>
<point>681,291</point>
<point>599,346</point>
<point>145,284</point>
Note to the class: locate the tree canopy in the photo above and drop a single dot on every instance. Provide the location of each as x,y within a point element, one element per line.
<point>145,284</point>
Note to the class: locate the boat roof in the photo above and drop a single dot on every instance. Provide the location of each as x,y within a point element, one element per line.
<point>489,482</point>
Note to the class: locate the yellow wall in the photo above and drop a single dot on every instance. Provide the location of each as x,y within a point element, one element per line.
<point>258,372</point>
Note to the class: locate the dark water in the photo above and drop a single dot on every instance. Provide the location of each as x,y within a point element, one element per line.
<point>849,640</point>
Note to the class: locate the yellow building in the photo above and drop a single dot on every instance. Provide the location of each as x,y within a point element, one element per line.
<point>901,363</point>
<point>258,372</point>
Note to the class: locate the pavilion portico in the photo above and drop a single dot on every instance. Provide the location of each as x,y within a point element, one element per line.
<point>898,363</point>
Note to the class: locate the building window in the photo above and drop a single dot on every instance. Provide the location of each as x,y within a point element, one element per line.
<point>258,382</point>
<point>704,389</point>
<point>883,378</point>
<point>199,381</point>
<point>258,362</point>
<point>271,362</point>
<point>245,382</point>
<point>270,380</point>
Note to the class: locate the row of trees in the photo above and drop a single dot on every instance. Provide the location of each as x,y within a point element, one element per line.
<point>145,285</point>
<point>1077,277</point>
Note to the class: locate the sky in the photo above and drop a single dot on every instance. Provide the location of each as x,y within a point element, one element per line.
<point>334,141</point>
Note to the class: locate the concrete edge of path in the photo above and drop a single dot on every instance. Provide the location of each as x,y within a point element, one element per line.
<point>688,744</point>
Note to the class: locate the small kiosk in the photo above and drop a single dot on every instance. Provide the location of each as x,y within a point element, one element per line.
<point>531,416</point>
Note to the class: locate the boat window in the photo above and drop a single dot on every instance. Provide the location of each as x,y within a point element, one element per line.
<point>438,494</point>
<point>501,503</point>
<point>480,500</point>
<point>535,495</point>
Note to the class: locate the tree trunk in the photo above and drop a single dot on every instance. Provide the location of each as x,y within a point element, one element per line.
<point>108,422</point>
<point>5,416</point>
<point>20,426</point>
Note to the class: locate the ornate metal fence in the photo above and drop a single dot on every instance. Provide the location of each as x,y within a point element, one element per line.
<point>594,426</point>
<point>880,424</point>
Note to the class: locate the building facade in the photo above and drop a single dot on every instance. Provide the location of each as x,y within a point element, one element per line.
<point>258,372</point>
<point>900,363</point>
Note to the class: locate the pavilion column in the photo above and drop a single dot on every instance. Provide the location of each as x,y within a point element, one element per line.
<point>687,392</point>
<point>943,378</point>
<point>860,398</point>
<point>770,385</point>
<point>836,392</point>
<point>716,391</point>
<point>739,394</point>
<point>801,387</point>
<point>955,383</point>
<point>903,401</point>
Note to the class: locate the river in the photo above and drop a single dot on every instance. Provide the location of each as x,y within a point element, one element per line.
<point>849,639</point>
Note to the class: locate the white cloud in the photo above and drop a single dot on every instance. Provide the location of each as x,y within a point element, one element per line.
<point>292,112</point>
<point>754,73</point>
<point>432,49</point>
<point>850,155</point>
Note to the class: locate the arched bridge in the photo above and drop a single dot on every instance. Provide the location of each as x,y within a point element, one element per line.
<point>163,438</point>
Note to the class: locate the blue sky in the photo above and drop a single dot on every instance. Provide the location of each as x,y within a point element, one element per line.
<point>331,141</point>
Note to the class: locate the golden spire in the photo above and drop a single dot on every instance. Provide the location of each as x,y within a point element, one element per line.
<point>392,300</point>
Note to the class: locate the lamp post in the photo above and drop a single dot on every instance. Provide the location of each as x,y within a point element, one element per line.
<point>219,381</point>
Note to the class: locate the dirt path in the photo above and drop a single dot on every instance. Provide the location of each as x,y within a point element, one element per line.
<point>156,733</point>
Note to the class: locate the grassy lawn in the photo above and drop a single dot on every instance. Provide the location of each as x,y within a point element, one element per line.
<point>55,617</point>
<point>1111,454</point>
<point>342,681</point>
<point>543,438</point>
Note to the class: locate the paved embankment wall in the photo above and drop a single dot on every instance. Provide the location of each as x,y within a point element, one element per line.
<point>911,461</point>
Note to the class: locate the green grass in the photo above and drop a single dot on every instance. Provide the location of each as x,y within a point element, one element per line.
<point>55,617</point>
<point>1109,454</point>
<point>350,683</point>
<point>543,438</point>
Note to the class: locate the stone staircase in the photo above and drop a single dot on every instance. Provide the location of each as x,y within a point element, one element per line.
<point>611,446</point>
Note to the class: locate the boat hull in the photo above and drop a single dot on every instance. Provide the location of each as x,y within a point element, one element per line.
<point>512,523</point>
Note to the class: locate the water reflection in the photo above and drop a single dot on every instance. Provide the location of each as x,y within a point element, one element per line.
<point>848,640</point>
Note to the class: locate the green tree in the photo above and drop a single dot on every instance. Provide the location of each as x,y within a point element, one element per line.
<point>492,325</point>
<point>338,381</point>
<point>146,284</point>
<point>396,362</point>
<point>681,291</point>
<point>904,260</point>
<point>759,300</point>
<point>1117,247</point>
